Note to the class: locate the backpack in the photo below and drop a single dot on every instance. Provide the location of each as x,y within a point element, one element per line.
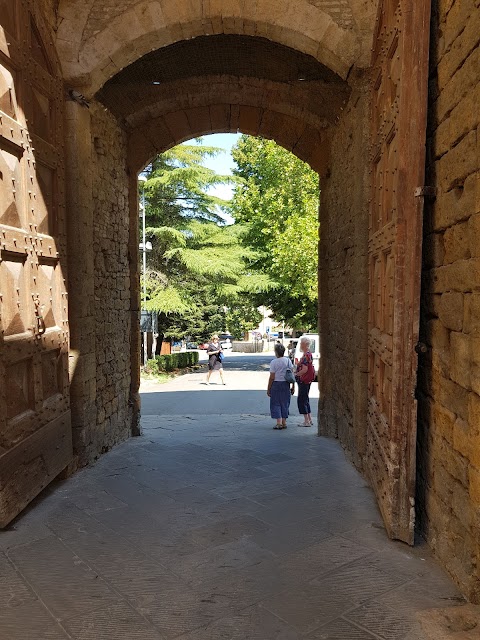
<point>289,377</point>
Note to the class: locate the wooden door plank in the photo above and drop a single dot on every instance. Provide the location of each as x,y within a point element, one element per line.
<point>29,467</point>
<point>399,110</point>
<point>35,429</point>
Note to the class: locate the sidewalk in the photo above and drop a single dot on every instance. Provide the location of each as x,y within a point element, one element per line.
<point>215,527</point>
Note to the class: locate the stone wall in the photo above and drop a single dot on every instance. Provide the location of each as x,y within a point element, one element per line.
<point>449,374</point>
<point>112,280</point>
<point>343,277</point>
<point>99,280</point>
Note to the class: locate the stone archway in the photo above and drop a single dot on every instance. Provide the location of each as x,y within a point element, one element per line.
<point>231,81</point>
<point>285,94</point>
<point>157,115</point>
<point>97,40</point>
<point>293,90</point>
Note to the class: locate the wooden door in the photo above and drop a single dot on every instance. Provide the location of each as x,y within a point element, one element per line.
<point>35,429</point>
<point>398,128</point>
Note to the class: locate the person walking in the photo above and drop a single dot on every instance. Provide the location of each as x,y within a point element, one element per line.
<point>215,357</point>
<point>279,390</point>
<point>304,379</point>
<point>290,349</point>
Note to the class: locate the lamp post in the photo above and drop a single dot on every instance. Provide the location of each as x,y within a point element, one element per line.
<point>143,179</point>
<point>225,309</point>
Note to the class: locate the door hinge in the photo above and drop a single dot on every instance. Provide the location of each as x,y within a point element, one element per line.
<point>421,347</point>
<point>425,192</point>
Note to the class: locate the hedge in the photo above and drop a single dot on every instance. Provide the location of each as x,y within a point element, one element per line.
<point>172,361</point>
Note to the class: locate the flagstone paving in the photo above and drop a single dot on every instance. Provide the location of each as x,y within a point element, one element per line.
<point>214,527</point>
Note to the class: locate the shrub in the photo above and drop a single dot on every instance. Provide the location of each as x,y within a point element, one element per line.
<point>169,362</point>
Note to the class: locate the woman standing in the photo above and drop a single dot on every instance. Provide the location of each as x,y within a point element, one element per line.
<point>279,390</point>
<point>304,380</point>
<point>215,355</point>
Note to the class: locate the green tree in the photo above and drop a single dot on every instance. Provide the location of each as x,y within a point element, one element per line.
<point>197,267</point>
<point>243,316</point>
<point>177,187</point>
<point>277,198</point>
<point>198,272</point>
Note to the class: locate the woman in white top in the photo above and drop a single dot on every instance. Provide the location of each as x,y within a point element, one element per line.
<point>279,390</point>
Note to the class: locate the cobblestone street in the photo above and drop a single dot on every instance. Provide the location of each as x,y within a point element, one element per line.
<point>214,526</point>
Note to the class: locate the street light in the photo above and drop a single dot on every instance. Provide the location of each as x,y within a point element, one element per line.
<point>143,179</point>
<point>143,248</point>
<point>225,309</point>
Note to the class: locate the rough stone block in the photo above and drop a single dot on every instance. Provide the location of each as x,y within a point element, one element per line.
<point>430,304</point>
<point>462,440</point>
<point>451,310</point>
<point>457,242</point>
<point>475,365</point>
<point>441,362</point>
<point>461,353</point>
<point>456,465</point>
<point>474,228</point>
<point>474,477</point>
<point>462,160</point>
<point>462,509</point>
<point>444,7</point>
<point>472,314</point>
<point>250,119</point>
<point>464,118</point>
<point>437,335</point>
<point>456,20</point>
<point>474,413</point>
<point>458,86</point>
<point>449,394</point>
<point>443,482</point>
<point>458,204</point>
<point>464,43</point>
<point>463,275</point>
<point>474,453</point>
<point>443,421</point>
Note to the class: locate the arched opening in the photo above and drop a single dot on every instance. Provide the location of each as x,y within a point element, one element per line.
<point>239,82</point>
<point>265,229</point>
<point>220,83</point>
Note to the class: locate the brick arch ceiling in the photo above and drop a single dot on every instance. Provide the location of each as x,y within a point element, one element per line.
<point>318,106</point>
<point>227,69</point>
<point>159,134</point>
<point>98,38</point>
<point>185,90</point>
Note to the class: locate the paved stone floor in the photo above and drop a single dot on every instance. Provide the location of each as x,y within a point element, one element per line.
<point>214,527</point>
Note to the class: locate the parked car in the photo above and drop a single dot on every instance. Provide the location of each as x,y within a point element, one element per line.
<point>203,345</point>
<point>314,348</point>
<point>226,340</point>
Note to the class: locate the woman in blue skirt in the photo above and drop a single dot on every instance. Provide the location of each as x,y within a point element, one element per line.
<point>279,390</point>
